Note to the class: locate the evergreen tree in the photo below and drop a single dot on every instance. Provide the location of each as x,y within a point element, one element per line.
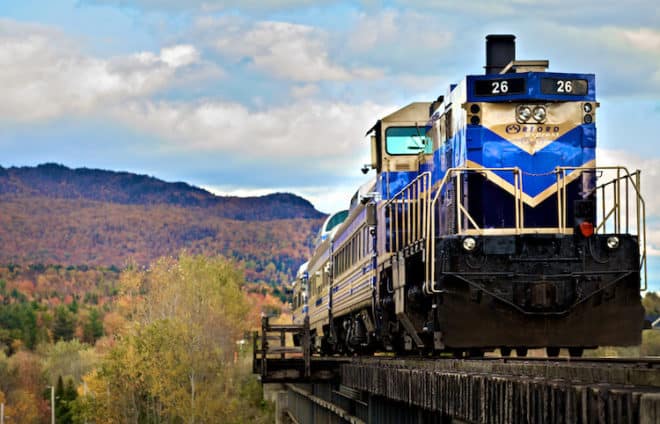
<point>59,389</point>
<point>20,321</point>
<point>64,324</point>
<point>93,328</point>
<point>64,395</point>
<point>73,307</point>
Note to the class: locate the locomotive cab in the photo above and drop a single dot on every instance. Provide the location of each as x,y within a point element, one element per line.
<point>400,147</point>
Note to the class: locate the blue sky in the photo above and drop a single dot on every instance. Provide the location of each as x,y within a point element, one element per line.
<point>248,97</point>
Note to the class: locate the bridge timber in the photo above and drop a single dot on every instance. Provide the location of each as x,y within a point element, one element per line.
<point>442,390</point>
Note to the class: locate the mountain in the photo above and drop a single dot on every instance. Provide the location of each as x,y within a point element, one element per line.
<point>51,214</point>
<point>59,182</point>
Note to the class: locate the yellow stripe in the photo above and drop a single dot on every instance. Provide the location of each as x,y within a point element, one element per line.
<point>539,198</point>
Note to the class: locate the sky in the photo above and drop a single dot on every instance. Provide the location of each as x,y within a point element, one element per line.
<point>250,97</point>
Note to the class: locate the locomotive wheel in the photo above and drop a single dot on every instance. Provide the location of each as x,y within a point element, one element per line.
<point>552,352</point>
<point>575,352</point>
<point>521,352</point>
<point>505,351</point>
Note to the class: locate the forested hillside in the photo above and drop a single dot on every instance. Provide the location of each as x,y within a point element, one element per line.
<point>158,344</point>
<point>87,256</point>
<point>51,214</point>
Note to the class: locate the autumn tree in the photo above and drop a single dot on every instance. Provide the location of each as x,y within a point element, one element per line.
<point>22,383</point>
<point>67,358</point>
<point>174,362</point>
<point>651,303</point>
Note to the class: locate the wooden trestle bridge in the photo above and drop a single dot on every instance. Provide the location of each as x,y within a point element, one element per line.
<point>311,389</point>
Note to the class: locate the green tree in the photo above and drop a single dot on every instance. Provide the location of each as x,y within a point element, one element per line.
<point>63,324</point>
<point>73,307</point>
<point>20,321</point>
<point>64,397</point>
<point>93,328</point>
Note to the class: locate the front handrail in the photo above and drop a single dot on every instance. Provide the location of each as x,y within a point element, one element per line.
<point>624,185</point>
<point>462,212</point>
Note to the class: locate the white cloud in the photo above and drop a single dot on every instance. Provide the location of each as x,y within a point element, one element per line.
<point>181,55</point>
<point>396,42</point>
<point>281,49</point>
<point>393,32</point>
<point>644,39</point>
<point>322,135</point>
<point>45,76</point>
<point>320,146</point>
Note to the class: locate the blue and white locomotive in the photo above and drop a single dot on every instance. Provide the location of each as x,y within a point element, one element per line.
<point>489,225</point>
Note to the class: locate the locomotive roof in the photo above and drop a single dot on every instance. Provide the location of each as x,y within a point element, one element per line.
<point>408,113</point>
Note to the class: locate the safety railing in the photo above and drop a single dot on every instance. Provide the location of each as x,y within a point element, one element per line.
<point>463,218</point>
<point>272,346</point>
<point>407,213</point>
<point>620,207</point>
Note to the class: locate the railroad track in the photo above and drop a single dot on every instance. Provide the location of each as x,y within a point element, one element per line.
<point>623,372</point>
<point>646,361</point>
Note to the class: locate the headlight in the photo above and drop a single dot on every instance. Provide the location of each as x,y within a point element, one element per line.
<point>469,244</point>
<point>613,242</point>
<point>588,107</point>
<point>524,113</point>
<point>539,114</point>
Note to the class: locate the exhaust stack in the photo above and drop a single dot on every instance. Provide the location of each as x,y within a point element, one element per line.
<point>500,51</point>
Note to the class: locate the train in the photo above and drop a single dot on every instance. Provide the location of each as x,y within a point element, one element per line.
<point>488,225</point>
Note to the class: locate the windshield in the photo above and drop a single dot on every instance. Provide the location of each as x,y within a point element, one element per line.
<point>407,141</point>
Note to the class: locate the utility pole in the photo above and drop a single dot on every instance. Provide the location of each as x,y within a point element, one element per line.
<point>84,394</point>
<point>2,413</point>
<point>52,404</point>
